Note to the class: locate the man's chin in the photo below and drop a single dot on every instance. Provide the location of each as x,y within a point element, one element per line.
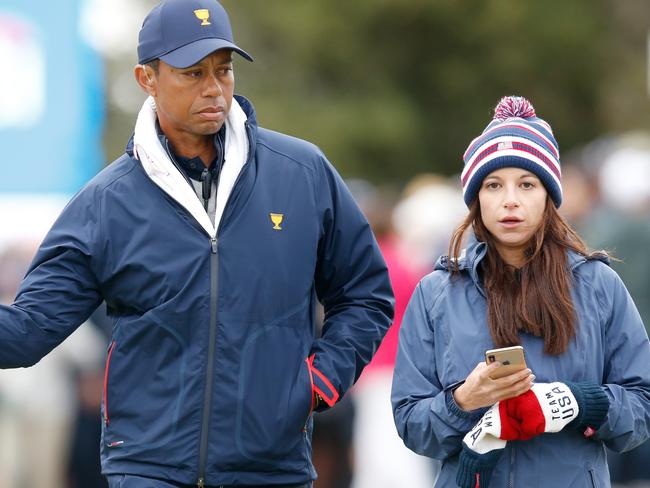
<point>208,128</point>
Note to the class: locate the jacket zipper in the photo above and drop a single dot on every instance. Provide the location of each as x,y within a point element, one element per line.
<point>309,360</point>
<point>207,179</point>
<point>212,337</point>
<point>209,374</point>
<point>511,482</point>
<point>108,362</point>
<point>206,188</point>
<point>592,478</point>
<point>207,395</point>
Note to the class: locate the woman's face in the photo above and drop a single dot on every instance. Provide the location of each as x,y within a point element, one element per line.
<point>512,202</point>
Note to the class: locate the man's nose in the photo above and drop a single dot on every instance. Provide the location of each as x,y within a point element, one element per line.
<point>212,87</point>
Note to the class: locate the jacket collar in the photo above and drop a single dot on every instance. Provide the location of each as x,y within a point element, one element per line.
<point>251,124</point>
<point>157,163</point>
<point>471,257</point>
<point>468,261</point>
<point>193,167</point>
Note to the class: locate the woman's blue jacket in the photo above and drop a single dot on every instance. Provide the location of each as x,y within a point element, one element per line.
<point>444,335</point>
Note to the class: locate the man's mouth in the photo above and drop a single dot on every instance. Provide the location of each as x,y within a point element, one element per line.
<point>212,113</point>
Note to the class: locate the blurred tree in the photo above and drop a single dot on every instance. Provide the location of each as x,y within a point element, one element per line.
<point>389,89</point>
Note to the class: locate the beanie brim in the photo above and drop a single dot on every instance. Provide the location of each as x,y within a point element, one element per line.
<point>474,185</point>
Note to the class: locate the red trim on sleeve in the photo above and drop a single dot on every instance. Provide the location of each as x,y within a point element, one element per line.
<point>329,399</point>
<point>108,362</point>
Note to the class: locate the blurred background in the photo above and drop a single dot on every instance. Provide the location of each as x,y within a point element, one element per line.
<point>392,92</point>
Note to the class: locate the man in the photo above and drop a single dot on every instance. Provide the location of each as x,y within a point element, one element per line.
<point>211,241</point>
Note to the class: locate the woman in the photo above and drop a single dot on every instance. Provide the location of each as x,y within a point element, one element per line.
<point>525,278</point>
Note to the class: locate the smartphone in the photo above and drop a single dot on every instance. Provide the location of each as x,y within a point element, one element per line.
<point>511,358</point>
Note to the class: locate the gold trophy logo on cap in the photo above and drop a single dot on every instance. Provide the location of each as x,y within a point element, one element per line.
<point>203,14</point>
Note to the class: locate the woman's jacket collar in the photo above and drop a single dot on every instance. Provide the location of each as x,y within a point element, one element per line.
<point>472,255</point>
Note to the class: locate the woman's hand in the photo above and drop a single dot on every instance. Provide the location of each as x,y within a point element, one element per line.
<point>479,390</point>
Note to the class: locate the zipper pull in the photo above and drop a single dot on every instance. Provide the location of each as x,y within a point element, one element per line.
<point>206,187</point>
<point>201,483</point>
<point>213,245</point>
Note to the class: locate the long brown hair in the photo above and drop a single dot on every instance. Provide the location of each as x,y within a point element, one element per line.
<point>537,297</point>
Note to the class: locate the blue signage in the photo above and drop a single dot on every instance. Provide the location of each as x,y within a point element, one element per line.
<point>51,98</point>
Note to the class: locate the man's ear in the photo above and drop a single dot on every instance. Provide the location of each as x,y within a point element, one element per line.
<point>146,78</point>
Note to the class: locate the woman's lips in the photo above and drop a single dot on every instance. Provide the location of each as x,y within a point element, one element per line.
<point>510,222</point>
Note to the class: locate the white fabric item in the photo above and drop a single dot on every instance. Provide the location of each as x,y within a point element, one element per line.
<point>624,179</point>
<point>163,172</point>
<point>381,460</point>
<point>484,437</point>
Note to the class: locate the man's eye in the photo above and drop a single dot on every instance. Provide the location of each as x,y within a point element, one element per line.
<point>193,74</point>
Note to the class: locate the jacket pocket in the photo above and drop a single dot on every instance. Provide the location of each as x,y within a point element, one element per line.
<point>275,398</point>
<point>309,362</point>
<point>106,373</point>
<point>146,366</point>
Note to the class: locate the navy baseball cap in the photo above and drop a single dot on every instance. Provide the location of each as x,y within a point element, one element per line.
<point>183,32</point>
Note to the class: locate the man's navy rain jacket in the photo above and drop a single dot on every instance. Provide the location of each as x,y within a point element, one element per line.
<point>215,353</point>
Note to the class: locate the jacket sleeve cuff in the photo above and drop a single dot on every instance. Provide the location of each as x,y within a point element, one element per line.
<point>472,416</point>
<point>593,406</point>
<point>321,385</point>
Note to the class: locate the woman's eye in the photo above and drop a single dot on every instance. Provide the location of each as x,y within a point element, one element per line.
<point>527,185</point>
<point>492,185</point>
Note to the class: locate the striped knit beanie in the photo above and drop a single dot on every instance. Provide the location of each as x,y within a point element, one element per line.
<point>515,137</point>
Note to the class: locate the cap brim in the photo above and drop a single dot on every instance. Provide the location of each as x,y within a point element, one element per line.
<point>192,53</point>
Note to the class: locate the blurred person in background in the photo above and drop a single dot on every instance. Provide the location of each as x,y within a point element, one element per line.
<point>332,443</point>
<point>609,202</point>
<point>38,405</point>
<point>380,457</point>
<point>211,241</point>
<point>620,216</point>
<point>84,467</point>
<point>422,220</point>
<point>525,278</point>
<point>83,464</point>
